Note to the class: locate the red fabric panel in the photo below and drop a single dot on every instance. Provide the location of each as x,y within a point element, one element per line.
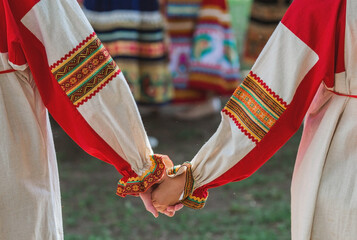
<point>340,43</point>
<point>222,4</point>
<point>7,71</point>
<point>59,105</point>
<point>321,25</point>
<point>317,27</point>
<point>10,43</point>
<point>3,29</point>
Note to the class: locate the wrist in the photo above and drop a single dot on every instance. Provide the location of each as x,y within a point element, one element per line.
<point>182,175</point>
<point>188,197</point>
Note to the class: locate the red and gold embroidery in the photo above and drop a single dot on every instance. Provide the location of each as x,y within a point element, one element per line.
<point>190,198</point>
<point>194,202</point>
<point>85,70</point>
<point>135,185</point>
<point>254,107</point>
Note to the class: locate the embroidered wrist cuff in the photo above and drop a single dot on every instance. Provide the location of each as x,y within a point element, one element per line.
<point>192,199</point>
<point>139,184</point>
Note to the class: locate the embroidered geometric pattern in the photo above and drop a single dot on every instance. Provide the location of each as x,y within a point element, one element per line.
<point>189,199</point>
<point>85,70</point>
<point>135,185</point>
<point>194,202</point>
<point>254,107</point>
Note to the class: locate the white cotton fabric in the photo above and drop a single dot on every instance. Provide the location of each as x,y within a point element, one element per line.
<point>59,25</point>
<point>324,186</point>
<point>220,153</point>
<point>229,144</point>
<point>5,64</point>
<point>112,112</point>
<point>30,207</point>
<point>114,104</point>
<point>324,190</point>
<point>297,57</point>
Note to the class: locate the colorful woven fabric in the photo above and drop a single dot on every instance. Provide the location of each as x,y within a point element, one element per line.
<point>135,185</point>
<point>203,51</point>
<point>192,199</point>
<point>133,33</point>
<point>254,107</point>
<point>85,70</point>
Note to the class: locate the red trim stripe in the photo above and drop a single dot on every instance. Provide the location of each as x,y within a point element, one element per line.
<point>7,71</point>
<point>344,95</point>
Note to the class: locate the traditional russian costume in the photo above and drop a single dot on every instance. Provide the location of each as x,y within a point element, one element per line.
<point>308,69</point>
<point>52,61</point>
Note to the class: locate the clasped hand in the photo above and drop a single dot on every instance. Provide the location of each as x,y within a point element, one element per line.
<point>164,197</point>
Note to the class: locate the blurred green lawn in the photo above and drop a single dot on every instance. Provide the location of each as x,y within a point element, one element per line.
<point>257,208</point>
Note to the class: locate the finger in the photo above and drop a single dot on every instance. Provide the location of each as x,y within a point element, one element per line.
<point>146,198</point>
<point>171,208</point>
<point>167,161</point>
<point>168,213</point>
<point>160,208</point>
<point>175,208</point>
<point>178,207</point>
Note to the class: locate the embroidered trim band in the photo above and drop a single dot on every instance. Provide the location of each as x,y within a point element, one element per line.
<point>135,185</point>
<point>85,70</point>
<point>254,107</point>
<point>190,199</point>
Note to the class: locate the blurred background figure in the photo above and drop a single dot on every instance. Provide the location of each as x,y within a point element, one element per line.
<point>265,16</point>
<point>204,61</point>
<point>133,33</point>
<point>203,54</point>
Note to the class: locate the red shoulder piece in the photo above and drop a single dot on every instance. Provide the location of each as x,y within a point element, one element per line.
<point>56,100</point>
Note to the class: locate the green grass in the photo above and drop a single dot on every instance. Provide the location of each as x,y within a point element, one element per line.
<point>240,13</point>
<point>257,208</point>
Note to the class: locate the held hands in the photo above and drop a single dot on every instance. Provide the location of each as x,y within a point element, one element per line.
<point>164,197</point>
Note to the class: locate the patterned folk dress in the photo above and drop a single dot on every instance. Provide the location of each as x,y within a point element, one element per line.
<point>265,15</point>
<point>133,32</point>
<point>308,69</point>
<point>52,61</point>
<point>203,51</point>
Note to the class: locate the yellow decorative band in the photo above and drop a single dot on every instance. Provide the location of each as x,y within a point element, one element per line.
<point>254,107</point>
<point>85,70</point>
<point>190,199</point>
<point>139,184</point>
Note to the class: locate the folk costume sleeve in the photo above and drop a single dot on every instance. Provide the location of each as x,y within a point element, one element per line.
<point>83,88</point>
<point>270,104</point>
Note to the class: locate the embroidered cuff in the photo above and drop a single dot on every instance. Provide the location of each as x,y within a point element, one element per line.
<point>139,184</point>
<point>192,199</point>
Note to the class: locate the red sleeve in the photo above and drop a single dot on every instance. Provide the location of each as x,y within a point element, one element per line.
<point>319,24</point>
<point>60,106</point>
